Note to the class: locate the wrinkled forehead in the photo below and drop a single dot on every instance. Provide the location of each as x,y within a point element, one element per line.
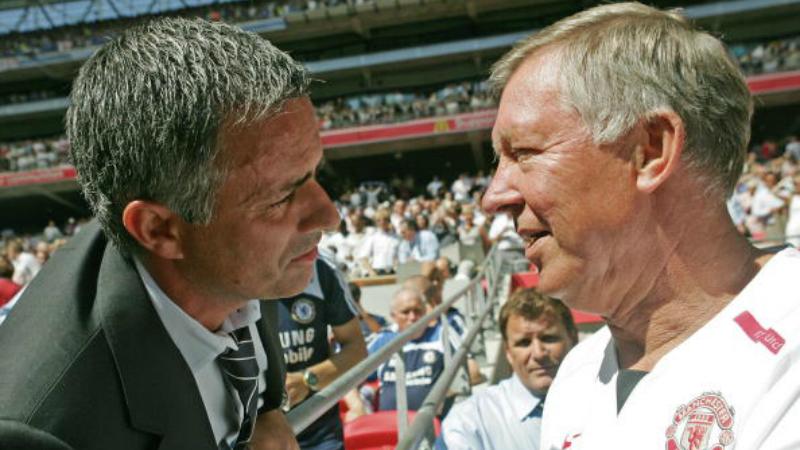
<point>533,91</point>
<point>406,301</point>
<point>546,322</point>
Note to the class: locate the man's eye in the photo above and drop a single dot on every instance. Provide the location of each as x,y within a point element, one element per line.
<point>283,201</point>
<point>550,338</point>
<point>523,343</point>
<point>522,154</point>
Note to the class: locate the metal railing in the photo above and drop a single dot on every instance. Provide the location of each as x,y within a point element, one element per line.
<point>478,308</point>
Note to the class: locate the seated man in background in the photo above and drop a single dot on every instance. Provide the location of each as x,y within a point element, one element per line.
<point>537,332</point>
<point>25,264</point>
<point>423,355</point>
<point>417,245</point>
<point>303,329</point>
<point>431,286</point>
<point>378,251</point>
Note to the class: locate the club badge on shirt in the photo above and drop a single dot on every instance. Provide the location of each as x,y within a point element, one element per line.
<point>705,423</point>
<point>303,311</point>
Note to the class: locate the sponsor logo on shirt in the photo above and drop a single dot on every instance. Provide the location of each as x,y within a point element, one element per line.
<point>705,423</point>
<point>770,338</point>
<point>303,311</point>
<point>297,345</point>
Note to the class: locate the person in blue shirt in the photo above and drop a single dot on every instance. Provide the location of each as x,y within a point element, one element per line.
<point>303,330</point>
<point>537,331</point>
<point>423,355</point>
<point>416,245</point>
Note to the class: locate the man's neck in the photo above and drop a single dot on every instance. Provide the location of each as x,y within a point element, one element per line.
<point>703,272</point>
<point>204,308</point>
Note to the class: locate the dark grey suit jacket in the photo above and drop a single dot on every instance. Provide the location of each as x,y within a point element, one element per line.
<point>85,361</point>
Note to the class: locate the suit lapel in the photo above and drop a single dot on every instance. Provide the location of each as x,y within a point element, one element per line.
<point>160,391</point>
<point>276,367</point>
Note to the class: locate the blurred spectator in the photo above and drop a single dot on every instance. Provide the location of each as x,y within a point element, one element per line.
<point>25,263</point>
<point>461,188</point>
<point>51,232</point>
<point>398,214</point>
<point>378,252</point>
<point>470,234</point>
<point>417,245</point>
<point>503,233</point>
<point>42,254</point>
<point>465,270</point>
<point>793,223</point>
<point>435,186</point>
<point>8,289</point>
<point>793,149</point>
<point>765,207</point>
<point>537,334</point>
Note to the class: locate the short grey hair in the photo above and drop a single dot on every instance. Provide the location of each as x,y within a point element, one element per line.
<point>147,111</point>
<point>621,63</point>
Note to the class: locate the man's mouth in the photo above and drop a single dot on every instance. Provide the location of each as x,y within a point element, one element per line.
<point>310,255</point>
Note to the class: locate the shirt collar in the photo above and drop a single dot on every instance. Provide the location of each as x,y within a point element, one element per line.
<point>198,345</point>
<point>525,401</point>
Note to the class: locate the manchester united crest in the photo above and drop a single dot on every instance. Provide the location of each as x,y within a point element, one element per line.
<point>303,311</point>
<point>705,423</point>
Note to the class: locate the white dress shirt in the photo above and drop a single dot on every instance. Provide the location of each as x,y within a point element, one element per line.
<point>506,416</point>
<point>200,348</point>
<point>381,249</point>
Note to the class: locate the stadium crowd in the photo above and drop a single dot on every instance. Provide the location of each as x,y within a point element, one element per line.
<point>66,38</point>
<point>398,106</point>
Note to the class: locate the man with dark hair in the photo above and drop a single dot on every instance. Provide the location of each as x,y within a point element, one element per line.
<point>620,132</point>
<point>196,147</point>
<point>417,245</point>
<point>537,331</point>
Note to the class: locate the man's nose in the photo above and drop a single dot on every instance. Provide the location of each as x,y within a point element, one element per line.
<point>539,351</point>
<point>502,194</point>
<point>321,213</point>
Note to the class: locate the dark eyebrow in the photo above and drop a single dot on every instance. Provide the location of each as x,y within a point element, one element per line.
<point>288,187</point>
<point>292,185</point>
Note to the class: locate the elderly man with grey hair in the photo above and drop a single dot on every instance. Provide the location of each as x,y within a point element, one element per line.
<point>196,146</point>
<point>620,132</point>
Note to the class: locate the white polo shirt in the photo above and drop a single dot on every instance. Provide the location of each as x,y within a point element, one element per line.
<point>733,384</point>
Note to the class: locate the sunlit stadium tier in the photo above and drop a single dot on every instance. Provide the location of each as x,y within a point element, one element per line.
<point>401,86</point>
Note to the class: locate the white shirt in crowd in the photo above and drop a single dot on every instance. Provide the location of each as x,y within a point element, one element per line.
<point>380,248</point>
<point>733,385</point>
<point>504,232</point>
<point>26,266</point>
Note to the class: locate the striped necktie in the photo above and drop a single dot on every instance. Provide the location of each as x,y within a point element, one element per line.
<point>240,370</point>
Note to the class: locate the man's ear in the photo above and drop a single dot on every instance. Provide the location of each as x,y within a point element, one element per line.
<point>659,152</point>
<point>155,227</point>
